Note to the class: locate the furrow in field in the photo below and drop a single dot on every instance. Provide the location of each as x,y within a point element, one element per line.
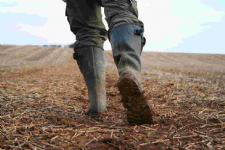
<point>58,56</point>
<point>22,52</point>
<point>188,62</point>
<point>45,52</point>
<point>5,47</point>
<point>16,60</point>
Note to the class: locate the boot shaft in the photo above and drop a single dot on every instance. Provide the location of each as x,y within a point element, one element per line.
<point>127,43</point>
<point>91,61</point>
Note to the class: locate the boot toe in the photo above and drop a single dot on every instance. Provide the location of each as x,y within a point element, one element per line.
<point>137,107</point>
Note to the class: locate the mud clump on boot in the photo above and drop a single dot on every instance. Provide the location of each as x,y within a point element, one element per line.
<point>138,110</point>
<point>133,99</point>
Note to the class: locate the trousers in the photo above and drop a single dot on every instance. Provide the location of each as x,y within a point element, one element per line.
<point>87,24</point>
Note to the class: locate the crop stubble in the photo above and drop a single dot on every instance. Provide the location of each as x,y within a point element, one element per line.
<point>43,106</point>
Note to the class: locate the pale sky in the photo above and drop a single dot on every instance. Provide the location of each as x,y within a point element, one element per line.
<point>190,26</point>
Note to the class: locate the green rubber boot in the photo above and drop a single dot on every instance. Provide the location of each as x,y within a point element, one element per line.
<point>127,42</point>
<point>91,61</point>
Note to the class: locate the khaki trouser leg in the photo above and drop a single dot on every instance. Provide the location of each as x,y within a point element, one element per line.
<point>86,23</point>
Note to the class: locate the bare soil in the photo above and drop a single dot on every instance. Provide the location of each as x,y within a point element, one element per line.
<point>43,101</point>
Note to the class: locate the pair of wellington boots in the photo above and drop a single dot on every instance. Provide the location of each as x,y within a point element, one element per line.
<point>127,46</point>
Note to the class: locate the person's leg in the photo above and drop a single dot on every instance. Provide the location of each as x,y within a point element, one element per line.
<point>86,23</point>
<point>127,40</point>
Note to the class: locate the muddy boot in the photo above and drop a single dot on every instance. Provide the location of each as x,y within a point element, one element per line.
<point>127,44</point>
<point>91,61</point>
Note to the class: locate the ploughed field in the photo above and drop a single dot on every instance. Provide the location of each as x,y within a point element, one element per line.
<point>43,101</point>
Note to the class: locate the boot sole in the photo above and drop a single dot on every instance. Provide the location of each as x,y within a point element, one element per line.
<point>138,110</point>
